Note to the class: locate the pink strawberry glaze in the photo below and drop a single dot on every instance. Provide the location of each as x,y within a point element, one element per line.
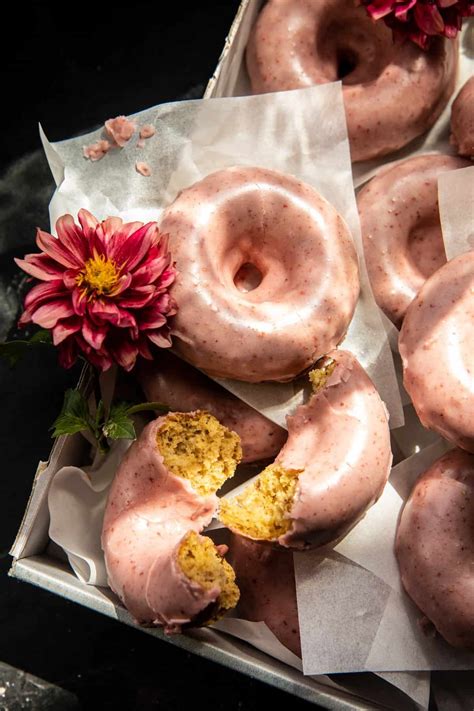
<point>170,380</point>
<point>436,346</point>
<point>393,92</point>
<point>401,229</point>
<point>341,441</point>
<point>462,120</point>
<point>273,319</point>
<point>148,513</point>
<point>435,546</point>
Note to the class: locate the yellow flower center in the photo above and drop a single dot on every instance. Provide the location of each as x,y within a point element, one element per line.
<point>99,277</point>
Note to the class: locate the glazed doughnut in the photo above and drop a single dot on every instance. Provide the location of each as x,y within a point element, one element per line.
<point>392,92</point>
<point>266,579</point>
<point>462,120</point>
<point>172,381</point>
<point>268,275</point>
<point>401,229</point>
<point>436,346</point>
<point>435,546</point>
<point>162,497</point>
<point>333,467</point>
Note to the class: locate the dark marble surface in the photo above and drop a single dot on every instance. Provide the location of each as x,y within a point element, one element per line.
<point>70,76</point>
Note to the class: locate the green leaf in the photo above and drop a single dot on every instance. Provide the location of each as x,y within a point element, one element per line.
<point>74,416</point>
<point>119,425</point>
<point>13,351</point>
<point>144,406</point>
<point>42,336</point>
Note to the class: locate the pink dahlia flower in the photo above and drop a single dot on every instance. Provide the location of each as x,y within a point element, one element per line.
<point>104,290</point>
<point>421,20</point>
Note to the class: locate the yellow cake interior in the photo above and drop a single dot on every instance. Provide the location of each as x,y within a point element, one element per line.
<point>201,562</point>
<point>320,375</point>
<point>262,510</point>
<point>198,448</point>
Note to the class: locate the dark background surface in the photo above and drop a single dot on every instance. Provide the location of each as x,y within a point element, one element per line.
<point>71,76</point>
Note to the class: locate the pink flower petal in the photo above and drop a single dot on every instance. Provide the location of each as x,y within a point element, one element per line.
<point>67,353</point>
<point>429,19</point>
<point>125,354</point>
<point>160,338</point>
<point>79,302</point>
<point>54,249</point>
<point>144,349</point>
<point>109,226</point>
<point>93,335</point>
<point>66,328</point>
<point>88,222</point>
<point>71,237</point>
<point>137,298</point>
<point>104,311</point>
<point>49,314</point>
<point>136,246</point>
<point>44,291</point>
<point>40,266</point>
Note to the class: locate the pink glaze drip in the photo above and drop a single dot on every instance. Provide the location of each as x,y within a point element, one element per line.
<point>149,512</point>
<point>436,346</point>
<point>462,120</point>
<point>147,131</point>
<point>435,546</point>
<point>401,229</point>
<point>341,441</point>
<point>143,168</point>
<point>304,253</point>
<point>96,151</point>
<point>392,92</point>
<point>172,381</point>
<point>120,129</point>
<point>266,580</point>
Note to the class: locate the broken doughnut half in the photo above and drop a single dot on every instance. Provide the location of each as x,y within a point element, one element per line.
<point>333,467</point>
<point>163,495</point>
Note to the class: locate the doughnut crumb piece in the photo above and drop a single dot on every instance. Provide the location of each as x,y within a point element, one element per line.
<point>196,447</point>
<point>262,510</point>
<point>201,562</point>
<point>321,374</point>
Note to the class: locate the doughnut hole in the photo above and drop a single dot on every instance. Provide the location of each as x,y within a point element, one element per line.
<point>248,277</point>
<point>425,245</point>
<point>262,510</point>
<point>196,447</point>
<point>352,48</point>
<point>201,562</point>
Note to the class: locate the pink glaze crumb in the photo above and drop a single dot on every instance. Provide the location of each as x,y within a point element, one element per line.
<point>141,143</point>
<point>143,168</point>
<point>121,129</point>
<point>96,151</point>
<point>147,131</point>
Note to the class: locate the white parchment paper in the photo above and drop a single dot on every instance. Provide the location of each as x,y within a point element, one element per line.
<point>456,209</point>
<point>195,138</point>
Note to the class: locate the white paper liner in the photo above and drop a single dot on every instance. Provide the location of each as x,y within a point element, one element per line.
<point>195,138</point>
<point>437,139</point>
<point>456,209</point>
